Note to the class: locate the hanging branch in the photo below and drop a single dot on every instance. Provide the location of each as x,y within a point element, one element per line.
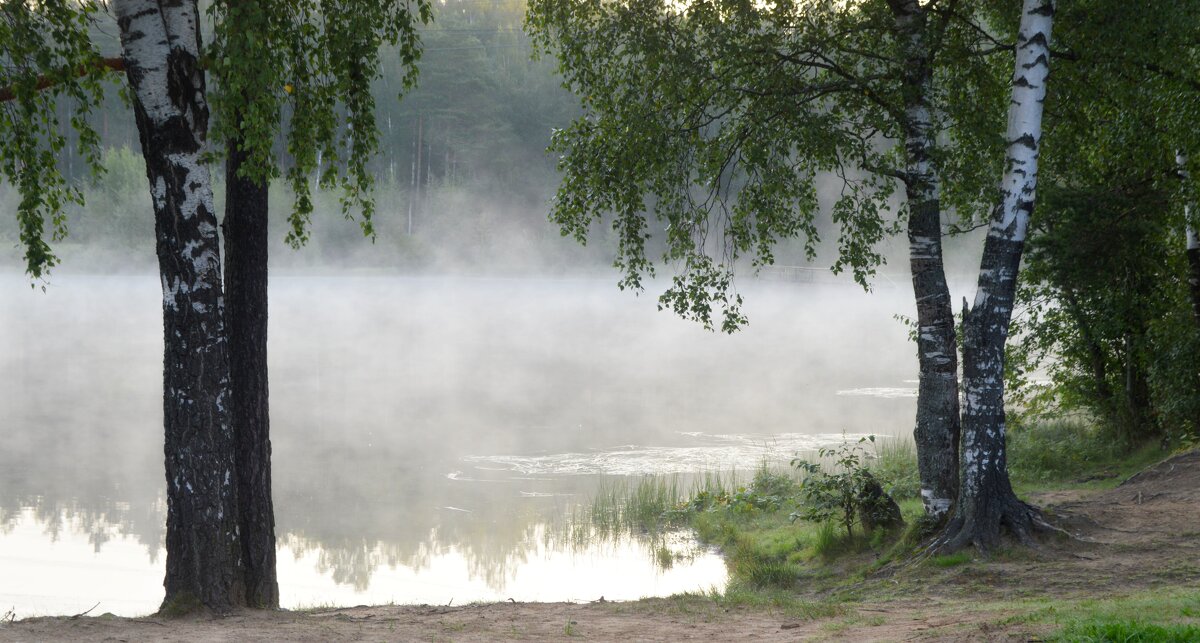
<point>115,64</point>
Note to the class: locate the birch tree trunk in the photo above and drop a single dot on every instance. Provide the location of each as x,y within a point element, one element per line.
<point>245,228</point>
<point>161,46</point>
<point>1193,256</point>
<point>937,425</point>
<point>1193,240</point>
<point>986,500</point>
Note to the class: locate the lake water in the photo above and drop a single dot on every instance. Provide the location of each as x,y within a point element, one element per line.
<point>429,434</point>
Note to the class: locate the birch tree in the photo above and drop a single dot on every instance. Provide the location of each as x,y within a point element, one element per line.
<point>746,106</point>
<point>937,426</point>
<point>161,46</point>
<point>220,531</point>
<point>1191,239</point>
<point>986,500</point>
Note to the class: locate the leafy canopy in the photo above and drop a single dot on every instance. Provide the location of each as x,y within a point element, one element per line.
<point>46,53</point>
<point>302,67</point>
<point>306,67</point>
<point>716,119</point>
<point>709,126</point>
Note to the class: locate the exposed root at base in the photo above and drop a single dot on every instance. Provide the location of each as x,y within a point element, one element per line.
<point>1020,519</point>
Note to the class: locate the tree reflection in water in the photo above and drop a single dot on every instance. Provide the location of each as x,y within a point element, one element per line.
<point>383,389</point>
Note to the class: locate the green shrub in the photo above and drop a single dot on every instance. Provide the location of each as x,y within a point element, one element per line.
<point>850,494</point>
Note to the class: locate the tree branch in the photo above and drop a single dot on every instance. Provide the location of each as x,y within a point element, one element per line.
<point>116,64</point>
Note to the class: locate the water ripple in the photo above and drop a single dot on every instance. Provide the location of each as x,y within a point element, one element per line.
<point>715,452</point>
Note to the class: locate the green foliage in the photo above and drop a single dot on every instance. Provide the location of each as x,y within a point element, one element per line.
<point>1106,313</point>
<point>314,61</point>
<point>702,119</point>
<point>305,69</point>
<point>838,496</point>
<point>895,465</point>
<point>768,492</point>
<point>761,550</point>
<point>634,505</point>
<point>1104,303</point>
<point>1172,375</point>
<point>46,54</point>
<point>1054,450</point>
<point>1065,450</point>
<point>757,570</point>
<point>1131,631</point>
<point>827,542</point>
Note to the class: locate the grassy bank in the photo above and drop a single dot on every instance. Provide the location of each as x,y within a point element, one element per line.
<point>818,567</point>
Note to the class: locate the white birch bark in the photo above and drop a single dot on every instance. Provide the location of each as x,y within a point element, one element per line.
<point>1189,225</point>
<point>161,44</point>
<point>1192,248</point>
<point>986,499</point>
<point>937,422</point>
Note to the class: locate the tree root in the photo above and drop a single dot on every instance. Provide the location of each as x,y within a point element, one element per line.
<point>1020,519</point>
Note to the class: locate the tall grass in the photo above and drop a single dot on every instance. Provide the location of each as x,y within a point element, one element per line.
<point>642,505</point>
<point>1070,450</point>
<point>1132,631</point>
<point>895,465</point>
<point>748,518</point>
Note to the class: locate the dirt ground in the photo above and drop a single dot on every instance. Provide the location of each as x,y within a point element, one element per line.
<point>1143,535</point>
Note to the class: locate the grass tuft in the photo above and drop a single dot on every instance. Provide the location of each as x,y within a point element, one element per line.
<point>1128,632</point>
<point>951,560</point>
<point>183,604</point>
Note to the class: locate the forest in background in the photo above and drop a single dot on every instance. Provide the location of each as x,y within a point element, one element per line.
<point>464,183</point>
<point>462,177</point>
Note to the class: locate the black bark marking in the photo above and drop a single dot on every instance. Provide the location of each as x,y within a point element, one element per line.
<point>1046,9</point>
<point>185,88</point>
<point>1028,141</point>
<point>1038,39</point>
<point>1041,60</point>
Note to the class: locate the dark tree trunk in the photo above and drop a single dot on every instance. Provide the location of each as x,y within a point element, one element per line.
<point>986,501</point>
<point>1137,386</point>
<point>1099,361</point>
<point>161,46</point>
<point>937,425</point>
<point>245,230</point>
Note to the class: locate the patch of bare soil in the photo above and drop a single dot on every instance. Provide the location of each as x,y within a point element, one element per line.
<point>1141,535</point>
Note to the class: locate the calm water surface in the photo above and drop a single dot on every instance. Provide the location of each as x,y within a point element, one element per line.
<point>429,434</point>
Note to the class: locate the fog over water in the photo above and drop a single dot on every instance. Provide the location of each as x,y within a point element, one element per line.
<point>427,431</point>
